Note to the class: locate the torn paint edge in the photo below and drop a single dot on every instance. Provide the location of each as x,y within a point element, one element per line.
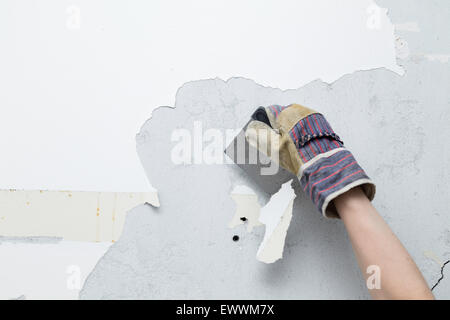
<point>276,215</point>
<point>247,208</point>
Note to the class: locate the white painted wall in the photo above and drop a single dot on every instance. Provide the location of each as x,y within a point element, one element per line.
<point>79,78</point>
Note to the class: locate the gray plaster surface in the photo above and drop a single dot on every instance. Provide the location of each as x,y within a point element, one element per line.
<point>397,128</point>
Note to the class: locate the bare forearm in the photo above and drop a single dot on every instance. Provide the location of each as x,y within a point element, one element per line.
<point>375,244</point>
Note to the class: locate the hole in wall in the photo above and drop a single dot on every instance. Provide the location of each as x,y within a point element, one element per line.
<point>243,219</point>
<point>235,238</point>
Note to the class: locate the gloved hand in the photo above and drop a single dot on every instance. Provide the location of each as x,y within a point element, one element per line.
<point>307,146</point>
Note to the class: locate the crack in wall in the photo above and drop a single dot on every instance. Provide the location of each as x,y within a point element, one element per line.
<point>442,274</point>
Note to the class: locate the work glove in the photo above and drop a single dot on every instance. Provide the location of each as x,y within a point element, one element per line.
<point>303,142</point>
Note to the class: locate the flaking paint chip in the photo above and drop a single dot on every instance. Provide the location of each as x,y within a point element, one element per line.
<point>276,215</point>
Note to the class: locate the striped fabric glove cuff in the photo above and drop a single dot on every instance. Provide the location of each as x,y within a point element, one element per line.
<point>329,175</point>
<point>326,169</point>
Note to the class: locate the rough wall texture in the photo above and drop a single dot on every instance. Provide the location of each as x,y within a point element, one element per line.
<point>395,125</point>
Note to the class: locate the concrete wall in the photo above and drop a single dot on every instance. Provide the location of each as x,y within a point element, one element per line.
<point>78,80</point>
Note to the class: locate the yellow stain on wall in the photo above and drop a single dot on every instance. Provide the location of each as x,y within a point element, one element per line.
<point>78,216</point>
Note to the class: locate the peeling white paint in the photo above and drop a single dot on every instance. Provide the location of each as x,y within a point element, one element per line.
<point>276,215</point>
<point>247,207</point>
<point>80,216</point>
<point>47,270</point>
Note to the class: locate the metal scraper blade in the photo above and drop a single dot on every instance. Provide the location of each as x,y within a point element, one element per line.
<point>243,155</point>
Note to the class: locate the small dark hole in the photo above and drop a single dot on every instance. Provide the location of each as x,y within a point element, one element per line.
<point>243,218</point>
<point>235,238</point>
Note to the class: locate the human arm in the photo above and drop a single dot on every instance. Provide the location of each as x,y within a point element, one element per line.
<point>374,243</point>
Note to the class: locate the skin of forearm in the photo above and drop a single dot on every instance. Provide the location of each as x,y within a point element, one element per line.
<point>374,243</point>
